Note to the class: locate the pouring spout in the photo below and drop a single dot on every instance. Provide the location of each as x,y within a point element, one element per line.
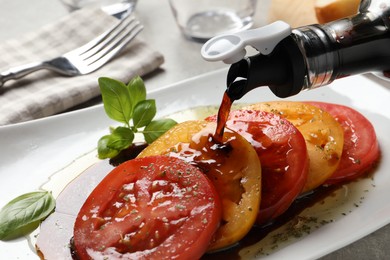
<point>283,71</point>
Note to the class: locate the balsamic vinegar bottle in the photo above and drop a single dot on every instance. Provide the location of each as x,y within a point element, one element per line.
<point>315,55</point>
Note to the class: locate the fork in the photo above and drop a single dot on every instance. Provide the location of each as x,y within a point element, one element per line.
<point>85,59</point>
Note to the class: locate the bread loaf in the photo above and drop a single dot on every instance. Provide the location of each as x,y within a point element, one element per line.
<point>330,10</point>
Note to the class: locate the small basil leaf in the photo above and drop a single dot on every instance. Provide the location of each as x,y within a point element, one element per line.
<point>24,213</point>
<point>104,151</point>
<point>156,128</point>
<point>144,112</point>
<point>116,100</point>
<point>121,138</point>
<point>137,90</point>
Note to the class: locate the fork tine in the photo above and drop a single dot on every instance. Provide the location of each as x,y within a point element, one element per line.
<point>119,30</point>
<point>98,40</point>
<point>111,49</point>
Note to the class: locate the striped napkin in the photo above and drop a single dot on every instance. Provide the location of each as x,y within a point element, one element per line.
<point>45,93</point>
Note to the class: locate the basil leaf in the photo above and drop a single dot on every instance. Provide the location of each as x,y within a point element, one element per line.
<point>116,100</point>
<point>104,151</point>
<point>125,103</point>
<point>137,90</point>
<point>24,213</point>
<point>156,128</point>
<point>144,112</point>
<point>121,138</point>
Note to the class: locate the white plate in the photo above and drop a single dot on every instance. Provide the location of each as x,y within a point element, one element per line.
<point>31,152</point>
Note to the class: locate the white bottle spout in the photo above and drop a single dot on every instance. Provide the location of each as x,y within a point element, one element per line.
<point>230,48</point>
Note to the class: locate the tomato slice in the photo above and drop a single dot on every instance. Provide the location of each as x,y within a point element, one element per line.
<point>155,207</point>
<point>232,166</point>
<point>283,157</point>
<point>323,135</point>
<point>361,149</point>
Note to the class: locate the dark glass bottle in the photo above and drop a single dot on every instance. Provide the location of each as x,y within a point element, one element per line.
<point>315,55</point>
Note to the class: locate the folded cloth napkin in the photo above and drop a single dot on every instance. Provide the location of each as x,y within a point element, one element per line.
<point>45,93</point>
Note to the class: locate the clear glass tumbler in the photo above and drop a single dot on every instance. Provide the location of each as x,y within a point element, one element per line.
<point>203,19</point>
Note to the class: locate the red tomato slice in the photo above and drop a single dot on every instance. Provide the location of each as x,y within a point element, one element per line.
<point>361,150</point>
<point>154,207</point>
<point>283,156</point>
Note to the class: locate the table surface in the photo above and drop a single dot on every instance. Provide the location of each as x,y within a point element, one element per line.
<point>183,61</point>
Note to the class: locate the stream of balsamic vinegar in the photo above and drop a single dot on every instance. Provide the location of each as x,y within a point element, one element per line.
<point>223,115</point>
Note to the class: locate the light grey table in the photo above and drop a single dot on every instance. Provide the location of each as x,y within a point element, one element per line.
<point>182,61</point>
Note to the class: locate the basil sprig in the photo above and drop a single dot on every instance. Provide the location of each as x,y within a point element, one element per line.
<point>127,104</point>
<point>23,214</point>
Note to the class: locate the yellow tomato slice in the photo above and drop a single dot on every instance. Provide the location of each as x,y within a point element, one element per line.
<point>323,135</point>
<point>232,166</point>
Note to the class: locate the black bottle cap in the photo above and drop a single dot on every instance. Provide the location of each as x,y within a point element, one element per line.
<point>283,71</point>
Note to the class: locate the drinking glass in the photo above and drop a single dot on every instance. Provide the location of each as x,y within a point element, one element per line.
<point>203,19</point>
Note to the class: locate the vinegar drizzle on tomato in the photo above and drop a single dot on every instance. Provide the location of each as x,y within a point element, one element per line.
<point>236,181</point>
<point>234,186</point>
<point>210,156</point>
